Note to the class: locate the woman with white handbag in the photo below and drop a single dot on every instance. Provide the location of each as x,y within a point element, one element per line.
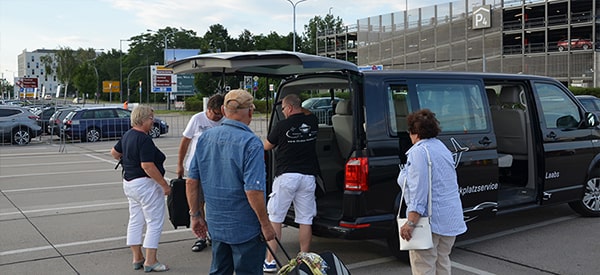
<point>430,189</point>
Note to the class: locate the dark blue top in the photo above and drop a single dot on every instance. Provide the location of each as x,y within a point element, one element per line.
<point>295,139</point>
<point>229,160</point>
<point>138,147</point>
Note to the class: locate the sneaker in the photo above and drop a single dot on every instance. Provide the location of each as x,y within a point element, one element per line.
<point>199,245</point>
<point>270,267</point>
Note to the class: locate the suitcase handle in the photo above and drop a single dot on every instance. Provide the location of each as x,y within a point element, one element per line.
<point>271,250</point>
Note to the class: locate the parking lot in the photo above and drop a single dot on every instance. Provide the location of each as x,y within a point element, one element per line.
<point>62,211</point>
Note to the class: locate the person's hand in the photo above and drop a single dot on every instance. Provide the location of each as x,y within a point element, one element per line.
<point>199,227</point>
<point>268,232</point>
<point>167,189</point>
<point>406,232</point>
<point>179,171</point>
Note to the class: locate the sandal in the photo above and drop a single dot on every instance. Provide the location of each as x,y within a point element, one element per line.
<point>199,245</point>
<point>138,265</point>
<point>157,267</point>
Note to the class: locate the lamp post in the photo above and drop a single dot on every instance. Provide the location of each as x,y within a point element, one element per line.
<point>138,67</point>
<point>120,71</point>
<point>165,57</point>
<point>294,10</point>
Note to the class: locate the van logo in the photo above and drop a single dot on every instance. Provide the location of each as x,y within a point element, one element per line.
<point>458,151</point>
<point>552,175</point>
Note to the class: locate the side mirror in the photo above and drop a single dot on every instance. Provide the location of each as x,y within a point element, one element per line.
<point>591,119</point>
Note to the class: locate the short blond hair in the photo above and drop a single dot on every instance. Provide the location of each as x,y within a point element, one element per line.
<point>141,113</point>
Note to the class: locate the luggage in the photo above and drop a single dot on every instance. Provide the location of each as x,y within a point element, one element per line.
<point>177,204</point>
<point>325,263</point>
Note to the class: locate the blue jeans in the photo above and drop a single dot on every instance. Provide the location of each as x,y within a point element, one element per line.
<point>243,258</point>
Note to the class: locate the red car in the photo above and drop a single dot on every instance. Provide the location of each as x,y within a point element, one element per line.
<point>575,43</point>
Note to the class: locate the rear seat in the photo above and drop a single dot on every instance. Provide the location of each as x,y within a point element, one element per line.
<point>510,123</point>
<point>342,126</point>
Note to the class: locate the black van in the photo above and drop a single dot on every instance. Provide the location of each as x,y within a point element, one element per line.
<point>519,141</point>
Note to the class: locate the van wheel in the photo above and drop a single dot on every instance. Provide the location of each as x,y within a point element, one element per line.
<point>589,205</point>
<point>92,135</point>
<point>393,242</point>
<point>21,137</point>
<point>155,131</point>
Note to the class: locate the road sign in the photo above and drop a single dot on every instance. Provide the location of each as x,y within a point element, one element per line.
<point>110,86</point>
<point>163,80</point>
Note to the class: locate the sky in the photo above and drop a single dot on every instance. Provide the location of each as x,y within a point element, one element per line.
<point>101,24</point>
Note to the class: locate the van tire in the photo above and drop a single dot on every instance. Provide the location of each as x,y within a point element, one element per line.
<point>591,198</point>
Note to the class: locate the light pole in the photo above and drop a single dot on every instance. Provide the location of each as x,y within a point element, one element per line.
<point>294,10</point>
<point>138,67</point>
<point>120,72</point>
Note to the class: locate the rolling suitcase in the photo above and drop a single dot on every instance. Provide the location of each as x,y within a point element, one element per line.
<point>177,204</point>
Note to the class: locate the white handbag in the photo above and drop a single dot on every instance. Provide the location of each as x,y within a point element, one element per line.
<point>421,235</point>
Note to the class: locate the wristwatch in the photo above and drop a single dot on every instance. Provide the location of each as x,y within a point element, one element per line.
<point>194,215</point>
<point>411,224</point>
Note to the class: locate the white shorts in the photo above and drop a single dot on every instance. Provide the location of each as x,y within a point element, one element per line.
<point>296,188</point>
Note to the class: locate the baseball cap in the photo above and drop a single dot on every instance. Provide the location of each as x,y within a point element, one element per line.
<point>241,97</point>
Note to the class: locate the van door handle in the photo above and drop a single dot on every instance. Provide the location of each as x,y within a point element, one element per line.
<point>485,141</point>
<point>551,135</point>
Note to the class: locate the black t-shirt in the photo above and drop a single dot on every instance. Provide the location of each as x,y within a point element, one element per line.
<point>295,139</point>
<point>138,147</point>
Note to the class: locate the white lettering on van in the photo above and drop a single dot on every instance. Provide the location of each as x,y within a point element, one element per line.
<point>552,175</point>
<point>477,188</point>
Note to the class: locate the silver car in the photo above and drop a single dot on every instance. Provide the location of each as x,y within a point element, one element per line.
<point>18,125</point>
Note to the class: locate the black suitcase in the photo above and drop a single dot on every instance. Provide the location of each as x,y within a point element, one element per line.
<point>177,204</point>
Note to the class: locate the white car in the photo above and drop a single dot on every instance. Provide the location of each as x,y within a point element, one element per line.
<point>48,97</point>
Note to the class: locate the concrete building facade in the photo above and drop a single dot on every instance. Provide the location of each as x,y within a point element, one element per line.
<point>555,38</point>
<point>30,65</point>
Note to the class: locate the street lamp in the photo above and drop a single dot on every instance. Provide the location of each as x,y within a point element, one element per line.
<point>138,67</point>
<point>294,10</point>
<point>120,72</point>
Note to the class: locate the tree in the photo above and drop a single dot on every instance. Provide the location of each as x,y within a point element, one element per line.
<point>217,38</point>
<point>316,26</point>
<point>64,64</point>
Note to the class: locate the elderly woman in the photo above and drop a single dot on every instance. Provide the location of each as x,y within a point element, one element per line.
<point>145,187</point>
<point>446,218</point>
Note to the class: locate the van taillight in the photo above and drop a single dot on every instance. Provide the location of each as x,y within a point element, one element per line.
<point>357,171</point>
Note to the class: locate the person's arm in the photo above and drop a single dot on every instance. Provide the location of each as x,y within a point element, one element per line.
<point>196,205</point>
<point>267,145</point>
<point>256,199</point>
<point>183,148</point>
<point>153,172</point>
<point>116,154</point>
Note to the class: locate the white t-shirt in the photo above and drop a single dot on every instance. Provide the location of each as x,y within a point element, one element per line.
<point>194,129</point>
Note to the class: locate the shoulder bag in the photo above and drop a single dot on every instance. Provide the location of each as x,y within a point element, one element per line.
<point>421,235</point>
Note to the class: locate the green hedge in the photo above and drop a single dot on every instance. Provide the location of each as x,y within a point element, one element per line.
<point>585,91</point>
<point>194,104</point>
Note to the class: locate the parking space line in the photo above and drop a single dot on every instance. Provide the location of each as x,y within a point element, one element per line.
<point>112,161</point>
<point>46,164</point>
<point>55,173</point>
<point>111,239</point>
<point>60,187</point>
<point>470,269</point>
<point>63,208</point>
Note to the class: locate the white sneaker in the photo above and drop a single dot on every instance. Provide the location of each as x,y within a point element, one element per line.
<point>270,267</point>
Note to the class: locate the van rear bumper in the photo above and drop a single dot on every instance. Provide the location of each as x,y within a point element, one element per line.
<point>374,227</point>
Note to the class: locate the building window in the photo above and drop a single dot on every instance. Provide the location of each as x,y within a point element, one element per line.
<point>32,71</point>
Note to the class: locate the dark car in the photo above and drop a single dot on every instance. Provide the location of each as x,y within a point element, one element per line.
<point>93,124</point>
<point>322,107</point>
<point>576,43</point>
<point>18,124</point>
<point>55,122</point>
<point>590,102</point>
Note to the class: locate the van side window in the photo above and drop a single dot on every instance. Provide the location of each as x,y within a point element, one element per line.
<point>458,106</point>
<point>559,111</point>
<point>398,106</point>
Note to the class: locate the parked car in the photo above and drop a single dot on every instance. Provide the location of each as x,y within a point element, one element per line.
<point>518,141</point>
<point>322,107</point>
<point>590,102</point>
<point>93,124</point>
<point>55,122</point>
<point>576,43</point>
<point>44,115</point>
<point>48,97</point>
<point>18,124</point>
